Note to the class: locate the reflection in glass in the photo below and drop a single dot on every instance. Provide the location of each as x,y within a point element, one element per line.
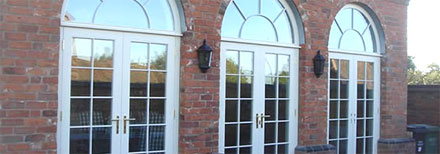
<point>102,111</point>
<point>102,82</point>
<point>344,90</point>
<point>370,90</point>
<point>343,128</point>
<point>121,13</point>
<point>333,109</point>
<point>245,134</point>
<point>360,23</point>
<point>334,68</point>
<point>79,140</point>
<point>81,52</point>
<point>360,146</point>
<point>271,8</point>
<point>160,15</point>
<point>361,70</point>
<point>231,135</point>
<point>252,32</point>
<point>231,151</point>
<point>246,63</point>
<point>369,128</point>
<point>231,111</point>
<point>269,133</point>
<point>138,83</point>
<point>80,82</point>
<point>283,110</point>
<point>246,87</point>
<point>139,56</point>
<point>232,62</point>
<point>79,112</point>
<point>138,139</point>
<point>245,110</point>
<point>231,86</point>
<point>335,34</point>
<point>103,53</point>
<point>81,10</point>
<point>101,140</point>
<point>370,70</point>
<point>156,138</point>
<point>360,128</point>
<point>344,18</point>
<point>333,129</point>
<point>283,88</point>
<point>360,89</point>
<point>269,149</point>
<point>283,28</point>
<point>360,109</point>
<point>283,132</point>
<point>344,69</point>
<point>157,111</point>
<point>283,65</point>
<point>282,149</point>
<point>231,21</point>
<point>343,113</point>
<point>352,41</point>
<point>157,84</point>
<point>270,89</point>
<point>158,57</point>
<point>248,7</point>
<point>271,65</point>
<point>334,88</point>
<point>138,110</point>
<point>343,147</point>
<point>270,110</point>
<point>370,109</point>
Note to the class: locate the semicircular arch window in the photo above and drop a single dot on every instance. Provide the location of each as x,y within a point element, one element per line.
<point>139,14</point>
<point>352,31</point>
<point>262,20</point>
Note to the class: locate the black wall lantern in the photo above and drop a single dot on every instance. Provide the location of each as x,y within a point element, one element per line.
<point>204,54</point>
<point>318,64</point>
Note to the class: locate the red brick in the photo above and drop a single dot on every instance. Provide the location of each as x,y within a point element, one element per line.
<point>15,36</point>
<point>18,147</point>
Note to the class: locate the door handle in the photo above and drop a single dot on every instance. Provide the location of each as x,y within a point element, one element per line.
<point>262,119</point>
<point>117,124</point>
<point>257,120</point>
<point>125,123</point>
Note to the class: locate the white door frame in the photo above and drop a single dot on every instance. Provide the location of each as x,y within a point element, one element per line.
<point>172,93</point>
<point>259,51</point>
<point>352,109</point>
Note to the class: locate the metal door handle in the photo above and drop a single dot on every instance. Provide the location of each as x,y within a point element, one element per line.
<point>117,124</point>
<point>257,120</point>
<point>125,123</point>
<point>262,119</point>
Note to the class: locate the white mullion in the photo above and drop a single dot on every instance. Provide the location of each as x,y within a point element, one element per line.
<point>148,99</point>
<point>92,63</point>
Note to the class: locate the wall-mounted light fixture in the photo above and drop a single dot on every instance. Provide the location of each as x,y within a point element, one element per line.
<point>318,64</point>
<point>204,54</point>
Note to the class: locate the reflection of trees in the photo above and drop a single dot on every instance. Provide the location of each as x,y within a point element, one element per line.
<point>232,68</point>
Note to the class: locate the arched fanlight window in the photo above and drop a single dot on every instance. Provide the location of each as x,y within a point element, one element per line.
<point>263,20</point>
<point>353,30</point>
<point>141,14</point>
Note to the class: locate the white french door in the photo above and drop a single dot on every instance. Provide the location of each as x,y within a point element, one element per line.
<point>118,93</point>
<point>354,95</point>
<point>258,99</point>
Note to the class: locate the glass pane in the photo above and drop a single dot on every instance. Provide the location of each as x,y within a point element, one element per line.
<point>79,112</point>
<point>138,139</point>
<point>160,15</point>
<point>269,109</point>
<point>344,19</point>
<point>102,82</point>
<point>333,130</point>
<point>360,109</point>
<point>335,35</point>
<point>283,132</point>
<point>80,82</point>
<point>370,43</point>
<point>334,143</point>
<point>271,65</point>
<point>359,21</point>
<point>138,110</point>
<point>283,88</point>
<point>271,8</point>
<point>344,69</point>
<point>245,150</point>
<point>245,110</point>
<point>81,52</point>
<point>231,135</point>
<point>102,111</point>
<point>342,147</point>
<point>282,24</point>
<point>231,62</point>
<point>370,109</point>
<point>252,32</point>
<point>231,111</point>
<point>361,70</point>
<point>81,10</point>
<point>138,83</point>
<point>269,133</point>
<point>245,134</point>
<point>360,89</point>
<point>343,129</point>
<point>248,7</point>
<point>283,149</point>
<point>157,111</point>
<point>246,63</point>
<point>283,110</point>
<point>139,56</point>
<point>158,56</point>
<point>79,140</point>
<point>232,21</point>
<point>333,109</point>
<point>283,65</point>
<point>360,146</point>
<point>369,128</point>
<point>269,149</point>
<point>369,145</point>
<point>370,71</point>
<point>334,89</point>
<point>156,138</point>
<point>116,13</point>
<point>103,53</point>
<point>343,109</point>
<point>157,84</point>
<point>334,68</point>
<point>231,86</point>
<point>344,90</point>
<point>231,151</point>
<point>246,87</point>
<point>370,91</point>
<point>360,128</point>
<point>351,40</point>
<point>270,90</point>
<point>101,142</point>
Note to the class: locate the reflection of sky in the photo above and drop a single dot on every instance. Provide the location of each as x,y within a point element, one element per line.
<point>124,13</point>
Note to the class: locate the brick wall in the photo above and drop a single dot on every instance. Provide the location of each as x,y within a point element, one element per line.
<point>424,104</point>
<point>29,39</point>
